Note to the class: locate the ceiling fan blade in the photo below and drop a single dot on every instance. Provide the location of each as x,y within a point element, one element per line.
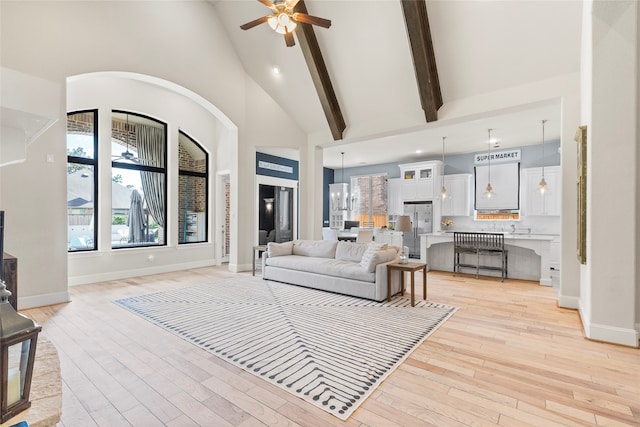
<point>288,38</point>
<point>266,3</point>
<point>255,22</point>
<point>309,19</point>
<point>292,3</point>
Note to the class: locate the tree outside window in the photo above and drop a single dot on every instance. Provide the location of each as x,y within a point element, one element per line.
<point>370,206</point>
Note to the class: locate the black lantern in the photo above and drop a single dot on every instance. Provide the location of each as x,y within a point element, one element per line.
<point>18,339</point>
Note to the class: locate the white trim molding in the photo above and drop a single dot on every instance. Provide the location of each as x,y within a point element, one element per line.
<point>43,300</point>
<point>623,336</point>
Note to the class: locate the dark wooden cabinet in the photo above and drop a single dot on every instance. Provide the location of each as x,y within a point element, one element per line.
<point>11,278</point>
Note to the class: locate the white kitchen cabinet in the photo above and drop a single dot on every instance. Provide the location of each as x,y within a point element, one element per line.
<point>458,200</point>
<point>395,204</point>
<point>536,204</point>
<point>389,237</point>
<point>195,227</point>
<point>554,261</point>
<point>419,180</point>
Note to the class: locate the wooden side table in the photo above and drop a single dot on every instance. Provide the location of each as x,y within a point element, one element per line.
<point>411,267</point>
<point>256,251</point>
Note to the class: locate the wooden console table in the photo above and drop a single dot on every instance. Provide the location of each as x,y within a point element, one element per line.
<point>411,267</point>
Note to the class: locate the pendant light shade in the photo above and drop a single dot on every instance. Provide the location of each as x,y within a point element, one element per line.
<point>489,190</point>
<point>443,191</point>
<point>542,186</point>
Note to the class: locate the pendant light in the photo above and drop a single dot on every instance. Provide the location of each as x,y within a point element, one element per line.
<point>443,192</point>
<point>342,201</point>
<point>489,193</point>
<point>542,186</point>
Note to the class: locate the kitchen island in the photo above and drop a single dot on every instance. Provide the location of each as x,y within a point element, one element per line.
<point>530,255</point>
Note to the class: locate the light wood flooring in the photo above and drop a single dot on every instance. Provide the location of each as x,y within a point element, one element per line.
<point>509,356</point>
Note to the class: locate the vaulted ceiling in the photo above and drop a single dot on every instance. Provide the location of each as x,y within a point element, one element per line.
<point>480,47</point>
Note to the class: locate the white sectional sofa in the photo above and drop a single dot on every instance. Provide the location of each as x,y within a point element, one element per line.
<point>357,269</point>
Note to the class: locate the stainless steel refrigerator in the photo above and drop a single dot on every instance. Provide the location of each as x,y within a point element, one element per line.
<point>421,214</point>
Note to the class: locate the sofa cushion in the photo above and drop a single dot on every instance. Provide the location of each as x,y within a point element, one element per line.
<point>315,248</point>
<point>279,249</point>
<point>368,262</point>
<point>350,251</point>
<point>323,266</point>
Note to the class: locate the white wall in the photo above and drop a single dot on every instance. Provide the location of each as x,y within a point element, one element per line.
<point>638,187</point>
<point>269,126</point>
<point>178,42</point>
<point>610,282</point>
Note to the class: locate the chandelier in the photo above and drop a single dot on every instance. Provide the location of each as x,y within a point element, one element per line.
<point>342,201</point>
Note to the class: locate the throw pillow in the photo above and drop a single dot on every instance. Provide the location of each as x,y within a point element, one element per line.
<point>367,257</point>
<point>279,249</point>
<point>350,251</point>
<point>382,256</point>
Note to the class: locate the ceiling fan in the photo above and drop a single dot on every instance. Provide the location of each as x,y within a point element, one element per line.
<point>284,20</point>
<point>127,155</point>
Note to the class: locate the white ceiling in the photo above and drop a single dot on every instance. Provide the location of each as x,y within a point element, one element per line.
<point>480,47</point>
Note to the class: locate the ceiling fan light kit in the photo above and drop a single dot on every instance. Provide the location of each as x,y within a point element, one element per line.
<point>282,23</point>
<point>284,20</point>
<point>127,155</point>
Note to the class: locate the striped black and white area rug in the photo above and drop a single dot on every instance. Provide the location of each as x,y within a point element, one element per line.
<point>330,350</point>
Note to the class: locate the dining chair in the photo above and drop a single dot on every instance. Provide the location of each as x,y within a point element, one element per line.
<point>365,235</point>
<point>329,234</point>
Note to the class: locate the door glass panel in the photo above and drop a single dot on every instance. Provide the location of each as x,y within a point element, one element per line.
<point>283,219</point>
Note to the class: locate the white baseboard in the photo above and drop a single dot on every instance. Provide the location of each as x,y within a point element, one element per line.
<point>42,300</point>
<point>565,301</point>
<point>125,274</point>
<point>612,334</point>
<point>238,268</point>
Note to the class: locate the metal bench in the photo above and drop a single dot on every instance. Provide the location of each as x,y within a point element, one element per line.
<point>479,244</point>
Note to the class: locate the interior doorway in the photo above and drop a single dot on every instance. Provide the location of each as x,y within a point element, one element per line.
<point>275,213</point>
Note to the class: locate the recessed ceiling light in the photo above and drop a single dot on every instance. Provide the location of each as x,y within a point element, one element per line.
<point>418,151</point>
<point>276,70</point>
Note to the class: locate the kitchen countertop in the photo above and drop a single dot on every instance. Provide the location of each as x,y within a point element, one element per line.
<point>507,235</point>
<point>540,244</point>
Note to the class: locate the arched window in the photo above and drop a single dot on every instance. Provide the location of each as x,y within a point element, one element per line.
<point>139,187</point>
<point>193,190</point>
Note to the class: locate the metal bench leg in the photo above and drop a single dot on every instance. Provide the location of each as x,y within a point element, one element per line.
<point>506,264</point>
<point>454,262</point>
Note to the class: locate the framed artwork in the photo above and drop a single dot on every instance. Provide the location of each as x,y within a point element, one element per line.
<point>581,182</point>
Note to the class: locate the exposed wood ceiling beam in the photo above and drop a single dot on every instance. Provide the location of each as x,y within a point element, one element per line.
<point>424,60</point>
<point>312,55</point>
